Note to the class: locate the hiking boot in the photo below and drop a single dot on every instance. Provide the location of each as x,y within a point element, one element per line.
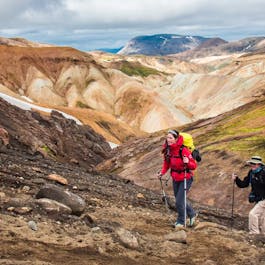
<point>178,225</point>
<point>193,220</point>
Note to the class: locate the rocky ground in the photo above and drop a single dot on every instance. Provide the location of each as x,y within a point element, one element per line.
<point>122,223</point>
<point>56,208</point>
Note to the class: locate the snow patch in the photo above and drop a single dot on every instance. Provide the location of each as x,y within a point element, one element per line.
<point>249,46</point>
<point>164,42</point>
<point>189,37</point>
<point>28,106</point>
<point>113,145</point>
<point>28,99</point>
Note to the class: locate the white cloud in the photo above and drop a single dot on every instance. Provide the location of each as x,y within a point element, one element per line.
<point>99,23</point>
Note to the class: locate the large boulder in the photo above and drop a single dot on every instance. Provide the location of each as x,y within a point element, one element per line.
<point>56,193</point>
<point>53,206</point>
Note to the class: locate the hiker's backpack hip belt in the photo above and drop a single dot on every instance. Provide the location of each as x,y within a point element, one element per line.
<point>180,171</point>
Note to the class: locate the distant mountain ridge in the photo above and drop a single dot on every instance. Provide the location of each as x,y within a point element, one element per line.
<point>161,44</point>
<point>217,48</point>
<point>186,47</point>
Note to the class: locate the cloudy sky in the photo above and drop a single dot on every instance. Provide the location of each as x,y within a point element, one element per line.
<point>93,24</point>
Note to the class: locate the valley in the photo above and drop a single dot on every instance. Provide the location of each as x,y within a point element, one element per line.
<point>215,91</point>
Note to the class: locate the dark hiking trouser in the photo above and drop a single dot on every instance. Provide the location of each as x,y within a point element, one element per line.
<point>178,187</point>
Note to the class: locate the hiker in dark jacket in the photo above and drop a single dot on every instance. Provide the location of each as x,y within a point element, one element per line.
<point>180,162</point>
<point>255,178</point>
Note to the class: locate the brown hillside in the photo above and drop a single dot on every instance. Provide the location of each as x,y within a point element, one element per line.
<point>65,77</point>
<point>52,136</point>
<point>225,142</point>
<point>15,62</point>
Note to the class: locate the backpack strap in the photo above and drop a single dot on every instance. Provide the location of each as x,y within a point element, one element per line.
<point>180,152</point>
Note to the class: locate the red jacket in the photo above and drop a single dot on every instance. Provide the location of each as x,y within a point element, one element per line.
<point>175,162</point>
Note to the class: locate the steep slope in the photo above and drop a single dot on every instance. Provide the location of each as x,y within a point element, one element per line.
<point>225,142</point>
<point>52,136</point>
<point>107,125</point>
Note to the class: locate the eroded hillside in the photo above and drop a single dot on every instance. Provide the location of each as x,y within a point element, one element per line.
<point>146,93</point>
<point>52,136</point>
<point>65,77</point>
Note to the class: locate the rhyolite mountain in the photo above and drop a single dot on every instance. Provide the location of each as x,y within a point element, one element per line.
<point>145,93</point>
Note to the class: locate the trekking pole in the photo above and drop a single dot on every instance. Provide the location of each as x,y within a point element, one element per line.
<point>185,195</point>
<point>165,199</point>
<point>164,194</point>
<point>233,200</point>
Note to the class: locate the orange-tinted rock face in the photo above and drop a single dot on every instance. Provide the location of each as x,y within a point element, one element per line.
<point>4,136</point>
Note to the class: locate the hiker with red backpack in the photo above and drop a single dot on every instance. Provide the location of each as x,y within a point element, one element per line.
<point>179,160</point>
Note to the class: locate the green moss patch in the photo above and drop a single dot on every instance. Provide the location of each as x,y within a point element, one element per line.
<point>137,70</point>
<point>241,131</point>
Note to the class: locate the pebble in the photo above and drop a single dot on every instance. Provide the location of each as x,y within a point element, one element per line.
<point>32,225</point>
<point>26,189</point>
<point>95,229</point>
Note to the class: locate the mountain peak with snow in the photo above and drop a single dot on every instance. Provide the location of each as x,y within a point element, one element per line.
<point>161,44</point>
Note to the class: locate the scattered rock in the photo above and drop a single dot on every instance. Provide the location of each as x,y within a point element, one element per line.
<point>95,229</point>
<point>88,219</point>
<point>58,179</point>
<point>32,225</point>
<point>4,136</point>
<point>26,189</point>
<point>23,210</point>
<point>74,161</point>
<point>53,192</point>
<point>140,196</point>
<point>127,239</point>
